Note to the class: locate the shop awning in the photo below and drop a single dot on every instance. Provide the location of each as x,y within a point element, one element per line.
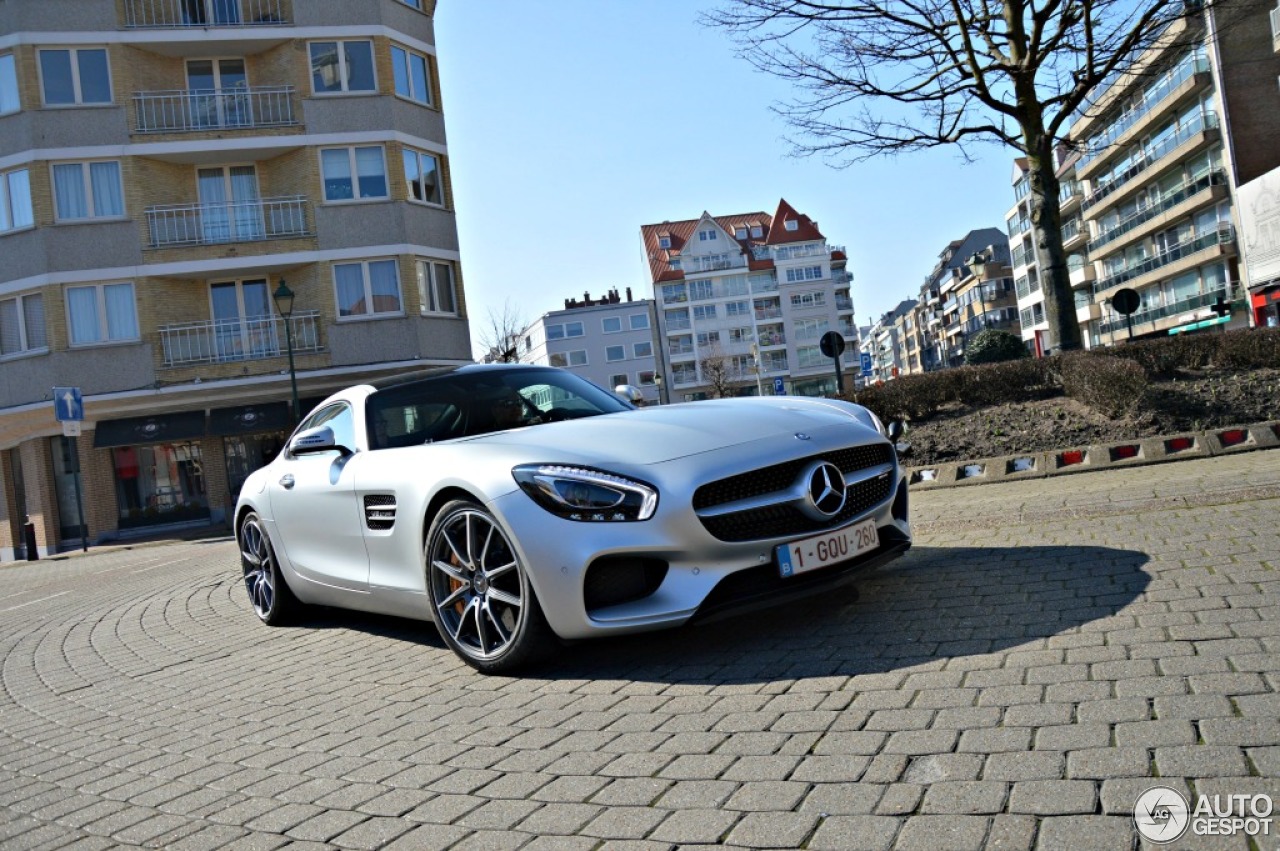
<point>161,428</point>
<point>249,419</point>
<point>1203,323</point>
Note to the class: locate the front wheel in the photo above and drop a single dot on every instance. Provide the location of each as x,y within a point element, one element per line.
<point>481,598</point>
<point>269,594</point>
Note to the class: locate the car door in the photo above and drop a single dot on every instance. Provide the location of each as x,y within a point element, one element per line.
<point>314,502</point>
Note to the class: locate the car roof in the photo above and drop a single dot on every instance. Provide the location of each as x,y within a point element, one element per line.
<point>428,374</point>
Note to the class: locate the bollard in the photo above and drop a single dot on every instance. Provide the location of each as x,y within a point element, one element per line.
<point>29,538</point>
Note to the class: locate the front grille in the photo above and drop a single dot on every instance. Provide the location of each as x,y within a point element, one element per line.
<point>782,520</point>
<point>380,512</point>
<point>781,476</point>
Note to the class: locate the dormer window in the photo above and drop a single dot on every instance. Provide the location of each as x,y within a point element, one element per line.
<point>706,236</point>
<point>791,224</point>
<point>757,231</point>
<point>740,233</point>
<point>664,242</point>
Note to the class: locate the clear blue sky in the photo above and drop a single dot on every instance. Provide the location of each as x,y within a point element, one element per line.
<point>571,123</point>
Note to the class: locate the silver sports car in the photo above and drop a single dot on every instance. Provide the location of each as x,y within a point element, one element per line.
<point>518,505</point>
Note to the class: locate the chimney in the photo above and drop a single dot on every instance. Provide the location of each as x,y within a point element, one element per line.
<point>586,297</point>
<point>568,304</point>
<point>628,293</point>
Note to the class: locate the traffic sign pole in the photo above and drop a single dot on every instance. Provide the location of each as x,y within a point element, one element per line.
<point>68,409</point>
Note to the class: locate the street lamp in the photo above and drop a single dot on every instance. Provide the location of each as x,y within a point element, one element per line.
<point>978,265</point>
<point>283,297</point>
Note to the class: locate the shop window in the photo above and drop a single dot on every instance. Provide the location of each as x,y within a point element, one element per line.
<point>161,483</point>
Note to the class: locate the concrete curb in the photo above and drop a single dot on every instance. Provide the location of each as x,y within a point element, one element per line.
<point>1226,440</point>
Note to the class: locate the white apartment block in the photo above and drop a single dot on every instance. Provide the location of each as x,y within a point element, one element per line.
<point>609,341</point>
<point>743,300</point>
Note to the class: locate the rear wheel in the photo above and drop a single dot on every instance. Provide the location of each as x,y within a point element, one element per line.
<point>481,598</point>
<point>269,594</point>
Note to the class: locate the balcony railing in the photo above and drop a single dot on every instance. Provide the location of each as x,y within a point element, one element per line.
<point>220,341</point>
<point>1193,303</point>
<point>1221,236</point>
<point>1202,122</point>
<point>188,110</point>
<point>139,14</point>
<point>1148,213</point>
<point>1100,144</point>
<point>241,221</point>
<point>844,303</point>
<point>768,313</point>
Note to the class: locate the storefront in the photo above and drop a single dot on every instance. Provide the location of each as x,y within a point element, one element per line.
<point>159,468</point>
<point>251,435</point>
<point>1264,301</point>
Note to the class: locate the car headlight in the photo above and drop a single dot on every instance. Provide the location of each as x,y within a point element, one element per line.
<point>581,493</point>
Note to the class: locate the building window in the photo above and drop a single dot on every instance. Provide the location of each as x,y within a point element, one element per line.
<point>664,242</point>
<point>342,66</point>
<point>737,308</point>
<point>708,338</point>
<point>811,299</point>
<point>413,4</point>
<point>613,353</point>
<point>645,378</point>
<point>804,273</point>
<point>791,225</point>
<point>740,233</point>
<point>411,74</point>
<point>367,288</point>
<point>700,290</point>
<point>353,173</point>
<point>677,319</point>
<point>75,76</point>
<point>422,173</point>
<point>757,231</point>
<point>15,200</point>
<point>619,378</point>
<point>639,321</point>
<point>704,312</point>
<point>642,350</point>
<point>577,357</point>
<point>9,99</point>
<point>88,191</point>
<point>706,236</point>
<point>573,329</point>
<point>436,287</point>
<point>103,313</point>
<point>22,324</point>
<point>611,324</point>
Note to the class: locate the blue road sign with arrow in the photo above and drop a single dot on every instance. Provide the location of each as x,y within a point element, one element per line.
<point>68,405</point>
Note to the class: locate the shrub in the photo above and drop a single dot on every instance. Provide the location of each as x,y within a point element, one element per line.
<point>1254,348</point>
<point>918,397</point>
<point>1164,357</point>
<point>991,345</point>
<point>1111,385</point>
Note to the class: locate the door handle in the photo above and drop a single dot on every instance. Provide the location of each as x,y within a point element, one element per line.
<point>286,481</point>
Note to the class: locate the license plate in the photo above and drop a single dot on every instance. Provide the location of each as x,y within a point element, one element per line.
<point>821,550</point>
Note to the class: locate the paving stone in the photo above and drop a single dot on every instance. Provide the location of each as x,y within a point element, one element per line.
<point>772,830</point>
<point>966,797</point>
<point>1043,765</point>
<point>1072,737</point>
<point>955,833</point>
<point>1052,797</point>
<point>688,826</point>
<point>855,833</point>
<point>899,799</point>
<point>1085,831</point>
<point>1101,763</point>
<point>1200,761</point>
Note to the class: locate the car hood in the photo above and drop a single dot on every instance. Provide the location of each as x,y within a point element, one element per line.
<point>666,433</point>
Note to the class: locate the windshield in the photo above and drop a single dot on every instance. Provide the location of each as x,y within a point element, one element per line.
<point>467,403</point>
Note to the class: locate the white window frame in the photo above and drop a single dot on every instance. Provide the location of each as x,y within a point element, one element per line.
<point>429,287</point>
<point>812,298</point>
<point>356,197</point>
<point>439,171</point>
<point>637,349</point>
<point>757,231</point>
<point>704,312</point>
<point>708,235</point>
<point>564,360</point>
<point>645,378</point>
<point>342,67</point>
<point>638,321</point>
<point>664,242</point>
<point>85,175</point>
<point>367,281</point>
<point>574,329</point>
<point>24,333</point>
<point>791,224</point>
<point>76,91</point>
<point>409,55</point>
<point>605,323</point>
<point>6,203</point>
<point>8,61</point>
<point>609,354</point>
<point>104,328</point>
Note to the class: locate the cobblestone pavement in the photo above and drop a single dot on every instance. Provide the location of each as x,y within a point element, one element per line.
<point>1047,649</point>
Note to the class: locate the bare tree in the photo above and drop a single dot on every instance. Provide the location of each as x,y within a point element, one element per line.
<point>719,372</point>
<point>498,338</point>
<point>881,77</point>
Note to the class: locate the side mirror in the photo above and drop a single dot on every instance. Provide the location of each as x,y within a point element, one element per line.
<point>313,440</point>
<point>895,430</point>
<point>629,393</point>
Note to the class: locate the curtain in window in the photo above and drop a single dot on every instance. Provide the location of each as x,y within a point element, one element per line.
<point>33,318</point>
<point>108,195</point>
<point>10,329</point>
<point>336,165</point>
<point>215,224</point>
<point>370,173</point>
<point>122,319</point>
<point>444,288</point>
<point>384,286</point>
<point>82,309</point>
<point>68,191</point>
<point>350,285</point>
<point>248,210</point>
<point>19,190</point>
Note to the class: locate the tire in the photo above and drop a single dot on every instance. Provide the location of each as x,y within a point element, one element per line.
<point>269,594</point>
<point>481,599</point>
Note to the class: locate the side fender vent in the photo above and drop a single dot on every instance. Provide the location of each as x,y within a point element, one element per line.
<point>380,512</point>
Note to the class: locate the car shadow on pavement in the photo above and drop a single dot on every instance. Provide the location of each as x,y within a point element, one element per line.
<point>933,604</point>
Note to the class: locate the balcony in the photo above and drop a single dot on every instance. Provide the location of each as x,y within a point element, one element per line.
<point>222,341</point>
<point>243,221</point>
<point>1195,302</point>
<point>174,14</point>
<point>1081,275</point>
<point>1164,205</point>
<point>1223,235</point>
<point>194,110</point>
<point>772,338</point>
<point>1201,125</point>
<point>844,303</point>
